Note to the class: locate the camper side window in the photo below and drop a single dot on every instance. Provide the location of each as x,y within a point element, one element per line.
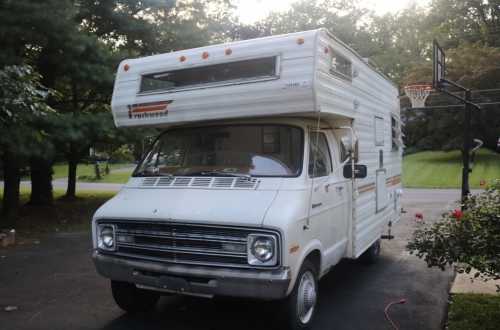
<point>379,131</point>
<point>320,161</point>
<point>340,66</point>
<point>396,133</point>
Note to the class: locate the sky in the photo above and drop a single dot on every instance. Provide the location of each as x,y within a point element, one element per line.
<point>250,11</point>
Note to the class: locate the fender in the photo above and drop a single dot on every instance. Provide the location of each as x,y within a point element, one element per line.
<point>312,245</point>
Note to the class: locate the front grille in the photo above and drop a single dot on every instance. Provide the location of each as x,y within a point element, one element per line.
<point>182,243</point>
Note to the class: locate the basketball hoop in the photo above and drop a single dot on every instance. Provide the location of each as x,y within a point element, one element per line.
<point>418,94</point>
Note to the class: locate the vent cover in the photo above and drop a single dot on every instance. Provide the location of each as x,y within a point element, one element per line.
<point>149,182</point>
<point>200,182</point>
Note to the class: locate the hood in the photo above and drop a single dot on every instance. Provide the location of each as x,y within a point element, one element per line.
<point>229,207</point>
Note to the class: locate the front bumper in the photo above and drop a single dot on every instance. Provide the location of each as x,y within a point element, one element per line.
<point>195,280</point>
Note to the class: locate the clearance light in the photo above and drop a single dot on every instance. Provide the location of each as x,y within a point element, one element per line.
<point>204,55</point>
<point>126,67</point>
<point>326,50</point>
<point>300,41</point>
<point>228,51</point>
<point>182,58</point>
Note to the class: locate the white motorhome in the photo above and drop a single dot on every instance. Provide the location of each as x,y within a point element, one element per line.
<point>280,156</point>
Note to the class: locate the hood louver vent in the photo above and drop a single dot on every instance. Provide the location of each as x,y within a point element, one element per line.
<point>200,182</point>
<point>223,182</point>
<point>149,182</point>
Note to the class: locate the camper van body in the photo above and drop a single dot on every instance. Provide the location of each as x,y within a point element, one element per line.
<point>307,82</point>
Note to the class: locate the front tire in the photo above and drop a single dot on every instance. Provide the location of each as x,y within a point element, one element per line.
<point>131,299</point>
<point>301,304</point>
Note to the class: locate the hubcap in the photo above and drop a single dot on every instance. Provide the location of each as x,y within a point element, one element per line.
<point>306,297</point>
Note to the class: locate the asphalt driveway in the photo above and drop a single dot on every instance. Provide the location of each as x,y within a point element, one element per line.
<point>54,286</point>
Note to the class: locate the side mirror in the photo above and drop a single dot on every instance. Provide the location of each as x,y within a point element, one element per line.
<point>360,171</point>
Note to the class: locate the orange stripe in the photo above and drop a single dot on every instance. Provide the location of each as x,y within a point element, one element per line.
<point>393,180</point>
<point>149,109</point>
<point>151,104</point>
<point>366,188</point>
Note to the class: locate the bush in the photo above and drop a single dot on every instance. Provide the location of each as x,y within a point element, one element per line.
<point>122,155</point>
<point>467,240</point>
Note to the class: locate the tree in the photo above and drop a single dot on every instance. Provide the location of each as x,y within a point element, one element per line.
<point>78,52</point>
<point>457,21</point>
<point>344,18</point>
<point>22,103</point>
<point>468,240</point>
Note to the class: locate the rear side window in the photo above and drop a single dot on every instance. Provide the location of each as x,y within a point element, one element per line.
<point>340,66</point>
<point>320,161</point>
<point>215,74</point>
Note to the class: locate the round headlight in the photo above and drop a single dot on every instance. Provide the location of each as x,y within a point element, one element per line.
<point>107,237</point>
<point>263,248</point>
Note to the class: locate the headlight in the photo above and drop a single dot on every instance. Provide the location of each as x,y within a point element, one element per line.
<point>262,250</point>
<point>106,237</point>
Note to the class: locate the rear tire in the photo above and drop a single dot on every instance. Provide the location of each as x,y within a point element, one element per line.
<point>301,304</point>
<point>131,299</point>
<point>371,256</point>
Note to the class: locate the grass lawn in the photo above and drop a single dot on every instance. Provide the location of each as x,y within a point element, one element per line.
<point>474,311</point>
<point>64,215</point>
<point>439,169</point>
<point>119,173</point>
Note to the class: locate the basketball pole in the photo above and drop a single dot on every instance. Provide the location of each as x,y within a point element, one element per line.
<point>467,100</point>
<point>466,153</point>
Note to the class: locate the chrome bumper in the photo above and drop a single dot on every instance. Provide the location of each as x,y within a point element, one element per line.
<point>195,280</point>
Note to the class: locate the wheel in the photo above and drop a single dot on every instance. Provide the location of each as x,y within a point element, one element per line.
<point>371,255</point>
<point>131,299</point>
<point>301,304</point>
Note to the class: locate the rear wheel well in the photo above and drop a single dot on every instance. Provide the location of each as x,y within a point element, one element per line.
<point>315,258</point>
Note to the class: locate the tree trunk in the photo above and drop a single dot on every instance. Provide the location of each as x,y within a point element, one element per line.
<point>12,179</point>
<point>71,188</point>
<point>41,181</point>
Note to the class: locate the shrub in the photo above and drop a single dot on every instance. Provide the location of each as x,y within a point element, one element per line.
<point>469,239</point>
<point>122,155</point>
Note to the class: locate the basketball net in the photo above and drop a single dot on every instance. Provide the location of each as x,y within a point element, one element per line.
<point>418,94</point>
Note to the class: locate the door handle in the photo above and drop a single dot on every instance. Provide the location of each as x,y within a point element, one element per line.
<point>316,205</point>
<point>339,189</point>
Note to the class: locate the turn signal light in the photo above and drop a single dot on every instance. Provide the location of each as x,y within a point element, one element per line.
<point>300,41</point>
<point>204,55</point>
<point>126,67</point>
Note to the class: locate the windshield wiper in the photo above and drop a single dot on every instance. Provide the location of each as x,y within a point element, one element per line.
<point>148,173</point>
<point>223,173</point>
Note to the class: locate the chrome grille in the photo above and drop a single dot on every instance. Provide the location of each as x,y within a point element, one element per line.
<point>182,243</point>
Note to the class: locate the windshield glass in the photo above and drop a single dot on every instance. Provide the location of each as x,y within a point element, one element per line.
<point>257,150</point>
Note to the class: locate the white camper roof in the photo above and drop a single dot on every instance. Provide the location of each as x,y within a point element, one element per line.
<point>293,74</point>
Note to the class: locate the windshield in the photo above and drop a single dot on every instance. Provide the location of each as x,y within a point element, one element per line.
<point>236,150</point>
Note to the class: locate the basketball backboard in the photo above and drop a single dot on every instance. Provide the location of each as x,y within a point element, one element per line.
<point>439,68</point>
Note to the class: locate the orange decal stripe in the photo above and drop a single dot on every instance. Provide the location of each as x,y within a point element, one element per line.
<point>149,109</point>
<point>366,188</point>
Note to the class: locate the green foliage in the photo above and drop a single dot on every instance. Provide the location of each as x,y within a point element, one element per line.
<point>469,240</point>
<point>22,104</point>
<point>344,18</point>
<point>474,312</point>
<point>122,154</point>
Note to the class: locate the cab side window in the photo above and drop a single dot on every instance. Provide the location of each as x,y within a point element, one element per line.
<point>320,161</point>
